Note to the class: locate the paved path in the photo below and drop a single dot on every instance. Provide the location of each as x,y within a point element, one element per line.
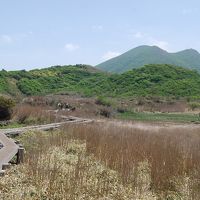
<point>10,149</point>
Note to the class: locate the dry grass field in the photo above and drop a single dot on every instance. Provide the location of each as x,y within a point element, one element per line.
<point>27,114</point>
<point>35,109</point>
<point>107,161</point>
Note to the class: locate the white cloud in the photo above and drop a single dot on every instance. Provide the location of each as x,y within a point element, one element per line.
<point>10,39</point>
<point>71,47</point>
<point>97,27</point>
<point>188,11</point>
<point>30,32</point>
<point>6,39</point>
<point>138,35</point>
<point>110,54</point>
<point>146,39</point>
<point>25,35</point>
<point>160,43</point>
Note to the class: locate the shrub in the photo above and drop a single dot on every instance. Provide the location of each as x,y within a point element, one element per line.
<point>6,106</point>
<point>141,101</point>
<point>105,112</point>
<point>103,101</point>
<point>121,110</point>
<point>194,105</point>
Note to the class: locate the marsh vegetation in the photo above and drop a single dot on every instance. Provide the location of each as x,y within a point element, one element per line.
<point>106,161</point>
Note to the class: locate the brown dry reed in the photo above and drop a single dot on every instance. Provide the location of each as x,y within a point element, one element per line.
<point>172,154</point>
<point>107,161</point>
<point>27,114</point>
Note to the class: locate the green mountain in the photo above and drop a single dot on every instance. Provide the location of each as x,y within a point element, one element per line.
<point>150,80</point>
<point>143,55</point>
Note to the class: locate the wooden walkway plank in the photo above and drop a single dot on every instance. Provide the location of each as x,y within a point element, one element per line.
<point>45,127</point>
<point>10,148</point>
<point>8,151</point>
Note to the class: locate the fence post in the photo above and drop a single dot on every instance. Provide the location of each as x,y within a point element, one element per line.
<point>20,155</point>
<point>6,166</point>
<point>2,172</point>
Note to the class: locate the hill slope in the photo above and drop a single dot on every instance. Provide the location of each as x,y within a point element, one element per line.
<point>150,80</point>
<point>143,55</point>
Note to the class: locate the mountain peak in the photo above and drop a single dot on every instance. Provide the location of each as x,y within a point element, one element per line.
<point>189,51</point>
<point>148,47</point>
<point>142,55</point>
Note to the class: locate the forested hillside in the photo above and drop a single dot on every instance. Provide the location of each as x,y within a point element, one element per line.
<point>150,80</point>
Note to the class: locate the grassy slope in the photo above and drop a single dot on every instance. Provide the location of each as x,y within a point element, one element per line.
<point>171,117</point>
<point>151,54</point>
<point>150,80</point>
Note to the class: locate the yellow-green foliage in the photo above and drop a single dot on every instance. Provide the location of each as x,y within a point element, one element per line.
<point>150,80</point>
<point>45,73</point>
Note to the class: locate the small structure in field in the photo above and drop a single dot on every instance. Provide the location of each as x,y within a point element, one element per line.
<point>65,106</point>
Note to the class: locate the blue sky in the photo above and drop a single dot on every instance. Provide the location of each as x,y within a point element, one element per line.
<point>42,33</point>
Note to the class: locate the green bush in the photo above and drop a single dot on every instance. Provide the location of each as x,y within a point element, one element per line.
<point>6,106</point>
<point>103,101</point>
<point>194,105</point>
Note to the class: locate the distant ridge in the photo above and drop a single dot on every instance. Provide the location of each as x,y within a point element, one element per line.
<point>143,55</point>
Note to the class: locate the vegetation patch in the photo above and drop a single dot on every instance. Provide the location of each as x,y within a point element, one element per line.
<point>107,161</point>
<point>6,106</point>
<point>150,80</point>
<point>147,116</point>
<point>194,105</point>
<point>103,101</point>
<point>62,169</point>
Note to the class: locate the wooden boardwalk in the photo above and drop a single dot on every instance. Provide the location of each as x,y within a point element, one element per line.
<point>10,148</point>
<point>46,127</point>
